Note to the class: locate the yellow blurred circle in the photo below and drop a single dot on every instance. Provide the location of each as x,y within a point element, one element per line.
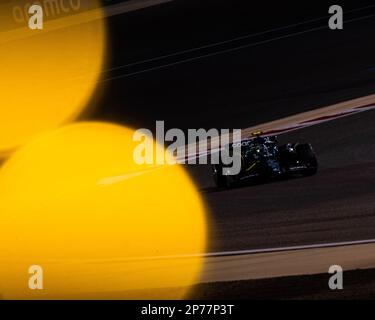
<point>74,202</point>
<point>47,76</point>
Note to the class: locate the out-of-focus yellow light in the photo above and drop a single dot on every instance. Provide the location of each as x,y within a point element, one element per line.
<point>74,202</point>
<point>47,76</point>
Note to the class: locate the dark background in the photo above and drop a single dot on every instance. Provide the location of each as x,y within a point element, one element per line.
<point>275,74</point>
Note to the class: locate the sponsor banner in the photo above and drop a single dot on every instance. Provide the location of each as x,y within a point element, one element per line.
<point>15,14</point>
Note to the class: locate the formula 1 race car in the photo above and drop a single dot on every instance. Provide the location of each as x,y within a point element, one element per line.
<point>262,157</point>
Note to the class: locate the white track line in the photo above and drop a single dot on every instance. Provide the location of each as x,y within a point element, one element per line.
<point>216,44</point>
<point>224,51</point>
<point>237,253</point>
<point>291,248</point>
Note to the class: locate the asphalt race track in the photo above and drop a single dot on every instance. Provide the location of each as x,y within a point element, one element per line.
<point>267,79</point>
<point>337,204</point>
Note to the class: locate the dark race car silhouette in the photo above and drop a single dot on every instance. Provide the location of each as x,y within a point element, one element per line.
<point>262,157</point>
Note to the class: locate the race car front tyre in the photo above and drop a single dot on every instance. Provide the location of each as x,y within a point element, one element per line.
<point>307,156</point>
<point>219,178</point>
